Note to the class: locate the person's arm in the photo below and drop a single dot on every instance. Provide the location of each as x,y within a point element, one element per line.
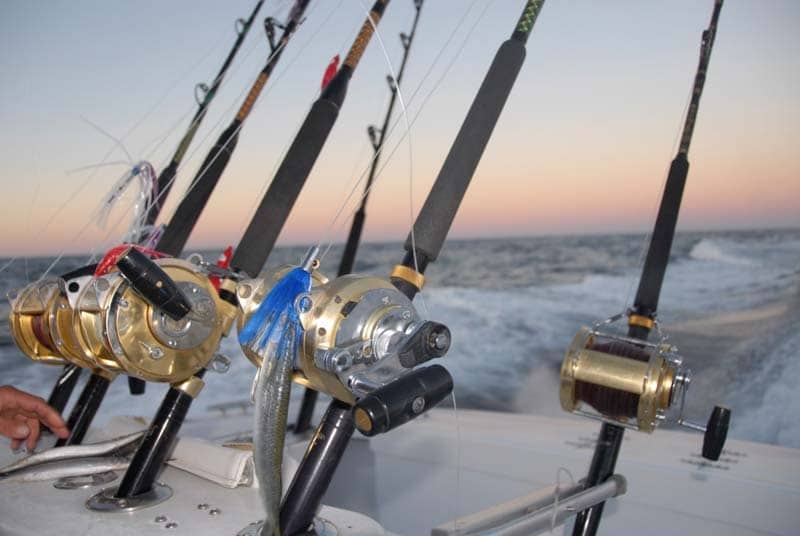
<point>21,414</point>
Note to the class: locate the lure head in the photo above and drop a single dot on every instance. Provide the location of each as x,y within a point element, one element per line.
<point>360,333</point>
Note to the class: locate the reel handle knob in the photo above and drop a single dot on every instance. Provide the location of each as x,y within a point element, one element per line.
<point>431,340</point>
<point>398,402</point>
<point>153,284</point>
<point>716,433</point>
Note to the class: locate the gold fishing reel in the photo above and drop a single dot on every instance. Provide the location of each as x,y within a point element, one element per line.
<point>632,383</point>
<point>125,328</point>
<point>360,335</point>
<point>40,319</point>
<point>629,382</point>
<point>157,320</point>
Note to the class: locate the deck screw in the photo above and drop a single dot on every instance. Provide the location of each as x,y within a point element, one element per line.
<point>214,512</point>
<point>202,506</point>
<point>171,525</point>
<point>160,519</point>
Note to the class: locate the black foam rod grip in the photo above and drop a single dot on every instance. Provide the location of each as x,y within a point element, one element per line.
<point>260,236</point>
<point>716,433</point>
<point>398,402</point>
<point>655,264</point>
<point>180,226</point>
<point>149,280</point>
<point>436,216</point>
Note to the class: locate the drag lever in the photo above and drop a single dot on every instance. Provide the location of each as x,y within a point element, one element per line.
<point>404,399</point>
<point>715,432</point>
<point>149,280</point>
<point>431,340</point>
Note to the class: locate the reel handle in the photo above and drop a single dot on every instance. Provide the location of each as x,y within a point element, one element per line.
<point>153,284</point>
<point>431,340</point>
<point>716,433</point>
<point>398,402</point>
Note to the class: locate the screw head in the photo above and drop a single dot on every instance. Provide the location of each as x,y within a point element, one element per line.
<point>214,512</point>
<point>160,519</point>
<point>171,525</point>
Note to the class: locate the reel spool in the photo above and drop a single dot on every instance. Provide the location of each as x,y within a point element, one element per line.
<point>632,383</point>
<point>361,335</point>
<point>35,312</point>
<point>123,321</point>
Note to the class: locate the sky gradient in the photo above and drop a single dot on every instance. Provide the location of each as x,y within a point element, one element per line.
<point>583,144</point>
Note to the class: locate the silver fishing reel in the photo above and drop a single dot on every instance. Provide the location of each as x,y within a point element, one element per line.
<point>361,335</point>
<point>632,383</point>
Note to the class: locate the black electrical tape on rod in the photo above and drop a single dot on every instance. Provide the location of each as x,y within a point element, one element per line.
<point>436,216</point>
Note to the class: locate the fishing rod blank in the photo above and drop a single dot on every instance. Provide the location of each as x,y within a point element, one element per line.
<point>377,138</point>
<point>642,316</point>
<point>167,176</point>
<point>191,206</point>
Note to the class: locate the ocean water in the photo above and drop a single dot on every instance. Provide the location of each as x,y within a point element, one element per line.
<point>730,302</point>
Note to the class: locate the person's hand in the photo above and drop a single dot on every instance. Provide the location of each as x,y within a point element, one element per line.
<point>20,415</point>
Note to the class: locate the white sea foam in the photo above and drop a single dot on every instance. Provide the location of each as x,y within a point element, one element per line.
<point>719,251</point>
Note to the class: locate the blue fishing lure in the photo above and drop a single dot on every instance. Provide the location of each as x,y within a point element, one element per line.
<point>267,332</point>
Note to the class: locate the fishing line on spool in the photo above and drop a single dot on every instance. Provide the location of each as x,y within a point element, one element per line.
<point>355,185</point>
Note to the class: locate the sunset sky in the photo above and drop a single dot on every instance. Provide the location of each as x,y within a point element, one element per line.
<point>583,144</point>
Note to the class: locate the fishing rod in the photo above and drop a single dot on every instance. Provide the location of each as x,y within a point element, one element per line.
<point>626,381</point>
<point>167,176</point>
<point>97,385</point>
<point>377,139</point>
<point>144,285</point>
<point>189,210</point>
<point>359,338</point>
<point>95,389</point>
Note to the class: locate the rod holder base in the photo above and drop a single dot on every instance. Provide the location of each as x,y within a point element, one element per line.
<point>105,501</point>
